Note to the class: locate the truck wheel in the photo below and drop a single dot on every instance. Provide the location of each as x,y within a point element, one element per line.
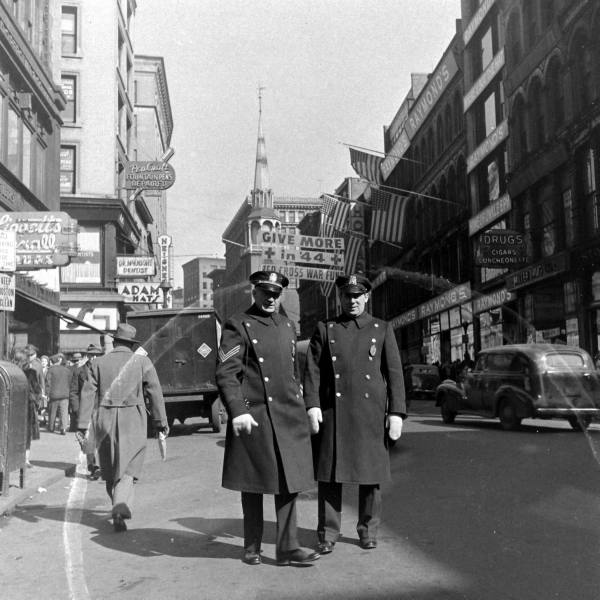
<point>509,420</point>
<point>215,415</point>
<point>579,422</point>
<point>448,415</point>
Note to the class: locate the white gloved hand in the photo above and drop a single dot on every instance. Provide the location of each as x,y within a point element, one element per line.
<point>315,416</point>
<point>395,426</point>
<point>243,423</point>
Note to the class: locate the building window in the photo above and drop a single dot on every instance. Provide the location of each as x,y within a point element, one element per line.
<point>86,266</point>
<point>69,88</point>
<point>513,39</point>
<point>68,30</point>
<point>569,217</point>
<point>26,168</point>
<point>67,169</point>
<point>490,114</point>
<point>555,96</point>
<point>12,146</point>
<point>548,228</point>
<point>487,49</point>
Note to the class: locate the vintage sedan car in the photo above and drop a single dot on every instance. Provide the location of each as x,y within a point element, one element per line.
<point>521,381</point>
<point>420,382</point>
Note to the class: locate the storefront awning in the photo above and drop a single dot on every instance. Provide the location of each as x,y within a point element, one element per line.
<point>57,311</point>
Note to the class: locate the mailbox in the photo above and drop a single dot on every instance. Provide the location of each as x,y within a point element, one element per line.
<point>13,423</point>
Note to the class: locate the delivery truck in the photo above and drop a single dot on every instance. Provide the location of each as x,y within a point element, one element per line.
<point>183,346</point>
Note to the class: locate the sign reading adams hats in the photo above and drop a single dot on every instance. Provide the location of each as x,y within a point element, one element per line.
<point>354,284</point>
<point>269,280</point>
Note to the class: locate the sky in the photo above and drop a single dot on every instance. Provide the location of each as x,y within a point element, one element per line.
<point>335,72</point>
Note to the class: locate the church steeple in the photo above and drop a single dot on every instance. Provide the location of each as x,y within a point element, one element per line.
<point>262,195</point>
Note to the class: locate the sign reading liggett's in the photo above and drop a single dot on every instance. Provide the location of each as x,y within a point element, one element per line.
<point>44,239</point>
<point>149,175</point>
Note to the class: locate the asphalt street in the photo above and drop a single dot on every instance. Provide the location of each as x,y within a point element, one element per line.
<point>473,512</point>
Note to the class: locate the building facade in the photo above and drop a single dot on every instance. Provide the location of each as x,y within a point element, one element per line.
<point>95,63</point>
<point>197,283</point>
<point>31,102</point>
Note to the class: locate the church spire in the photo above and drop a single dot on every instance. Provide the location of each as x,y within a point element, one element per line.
<point>261,192</point>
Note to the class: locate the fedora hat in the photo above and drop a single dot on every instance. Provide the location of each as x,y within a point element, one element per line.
<point>125,333</point>
<point>93,349</point>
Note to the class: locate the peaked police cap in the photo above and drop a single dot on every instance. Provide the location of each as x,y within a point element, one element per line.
<point>354,284</point>
<point>269,280</point>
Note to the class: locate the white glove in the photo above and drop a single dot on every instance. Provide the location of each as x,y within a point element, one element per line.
<point>243,423</point>
<point>394,423</point>
<point>314,418</point>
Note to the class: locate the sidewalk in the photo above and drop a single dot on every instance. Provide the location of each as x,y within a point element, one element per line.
<point>53,457</point>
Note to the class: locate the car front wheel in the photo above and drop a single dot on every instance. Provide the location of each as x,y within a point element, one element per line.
<point>579,422</point>
<point>509,420</point>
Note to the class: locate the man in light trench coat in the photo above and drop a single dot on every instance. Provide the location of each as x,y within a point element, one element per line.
<point>118,386</point>
<point>354,392</point>
<point>267,445</point>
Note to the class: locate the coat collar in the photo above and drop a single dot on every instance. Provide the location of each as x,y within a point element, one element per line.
<point>364,319</point>
<point>255,313</point>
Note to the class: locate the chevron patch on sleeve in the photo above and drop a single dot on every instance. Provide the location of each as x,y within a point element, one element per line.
<point>223,356</point>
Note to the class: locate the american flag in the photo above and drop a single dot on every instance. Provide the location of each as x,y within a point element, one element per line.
<point>335,215</point>
<point>366,165</point>
<point>353,246</point>
<point>388,216</point>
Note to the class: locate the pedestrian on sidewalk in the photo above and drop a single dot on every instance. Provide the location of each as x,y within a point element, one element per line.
<point>114,395</point>
<point>267,444</point>
<point>21,359</point>
<point>74,389</point>
<point>353,388</point>
<point>80,376</point>
<point>58,383</point>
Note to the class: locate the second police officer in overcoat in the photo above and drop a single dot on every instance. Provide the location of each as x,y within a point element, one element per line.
<point>353,387</point>
<point>267,446</point>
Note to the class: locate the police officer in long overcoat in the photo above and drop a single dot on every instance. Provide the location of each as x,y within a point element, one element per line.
<point>268,445</point>
<point>354,392</point>
<point>115,394</point>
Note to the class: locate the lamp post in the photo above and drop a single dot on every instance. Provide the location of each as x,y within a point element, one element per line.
<point>165,286</point>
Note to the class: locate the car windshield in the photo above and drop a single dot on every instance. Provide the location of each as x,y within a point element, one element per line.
<point>565,360</point>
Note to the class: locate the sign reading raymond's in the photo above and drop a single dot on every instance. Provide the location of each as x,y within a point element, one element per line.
<point>149,175</point>
<point>43,239</point>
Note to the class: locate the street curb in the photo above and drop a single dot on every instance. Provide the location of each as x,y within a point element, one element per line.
<point>22,494</point>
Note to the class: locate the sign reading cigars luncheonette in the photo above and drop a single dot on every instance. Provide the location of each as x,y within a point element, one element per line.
<point>149,175</point>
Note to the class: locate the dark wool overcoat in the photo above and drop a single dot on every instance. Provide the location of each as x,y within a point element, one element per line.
<point>354,374</point>
<point>115,394</point>
<point>256,374</point>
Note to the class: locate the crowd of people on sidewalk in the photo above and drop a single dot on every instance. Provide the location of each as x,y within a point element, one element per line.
<point>54,387</point>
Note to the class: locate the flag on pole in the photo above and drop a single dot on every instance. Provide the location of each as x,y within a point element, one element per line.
<point>366,165</point>
<point>335,215</point>
<point>388,216</point>
<point>353,245</point>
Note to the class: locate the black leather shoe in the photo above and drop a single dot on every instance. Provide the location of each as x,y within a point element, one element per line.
<point>296,557</point>
<point>325,547</point>
<point>119,523</point>
<point>251,557</point>
<point>368,544</point>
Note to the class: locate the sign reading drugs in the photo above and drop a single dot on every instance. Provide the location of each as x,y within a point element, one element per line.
<point>498,248</point>
<point>136,266</point>
<point>140,293</point>
<point>44,239</point>
<point>149,175</point>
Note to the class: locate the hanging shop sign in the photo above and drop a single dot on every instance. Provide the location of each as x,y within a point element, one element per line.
<point>8,251</point>
<point>7,291</point>
<point>164,243</point>
<point>141,293</point>
<point>493,300</point>
<point>43,239</point>
<point>497,248</point>
<point>136,266</point>
<point>149,175</point>
<point>489,214</point>
<point>549,267</point>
